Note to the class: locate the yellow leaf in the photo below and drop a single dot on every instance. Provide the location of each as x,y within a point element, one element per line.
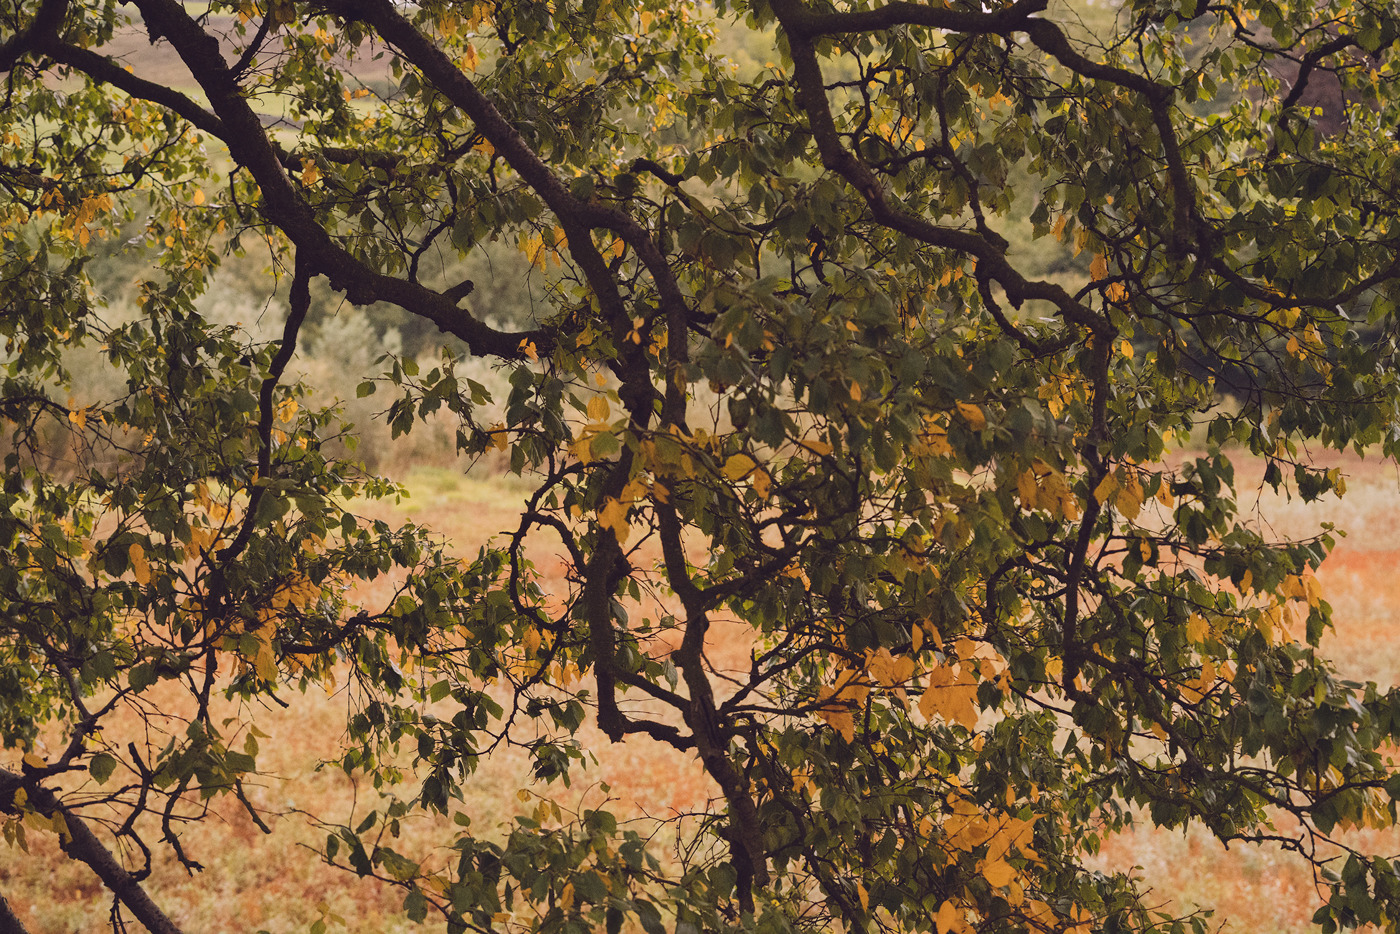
<point>34,761</point>
<point>500,438</point>
<point>1129,497</point>
<point>855,391</point>
<point>1059,229</point>
<point>1312,588</point>
<point>888,670</point>
<point>864,897</point>
<point>1041,913</point>
<point>598,408</point>
<point>139,565</point>
<point>1106,488</point>
<point>738,466</point>
<point>265,661</point>
<point>972,415</point>
<point>198,198</point>
<point>582,448</point>
<point>1025,486</point>
<point>1098,268</point>
<point>999,873</point>
<point>309,172</point>
<point>935,436</point>
<point>762,482</point>
<point>613,516</point>
<point>817,447</point>
<point>1164,494</point>
<point>949,919</point>
<point>950,695</point>
<point>1197,628</point>
<point>1127,348</point>
<point>837,716</point>
<point>1268,622</point>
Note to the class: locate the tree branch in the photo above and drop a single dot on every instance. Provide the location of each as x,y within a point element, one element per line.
<point>82,844</point>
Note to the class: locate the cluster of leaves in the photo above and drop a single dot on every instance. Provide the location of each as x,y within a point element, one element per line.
<point>793,375</point>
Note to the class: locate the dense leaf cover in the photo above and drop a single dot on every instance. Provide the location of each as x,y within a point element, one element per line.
<point>793,374</point>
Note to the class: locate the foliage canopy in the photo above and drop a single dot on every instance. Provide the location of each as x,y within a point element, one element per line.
<point>877,349</point>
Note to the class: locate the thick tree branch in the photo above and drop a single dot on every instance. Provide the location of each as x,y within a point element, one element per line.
<point>285,209</point>
<point>990,256</point>
<point>9,921</point>
<point>82,844</point>
<point>43,29</point>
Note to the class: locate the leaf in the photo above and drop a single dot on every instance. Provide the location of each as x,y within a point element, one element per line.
<point>998,873</point>
<point>738,466</point>
<point>1197,628</point>
<point>613,516</point>
<point>837,714</point>
<point>140,568</point>
<point>101,766</point>
<point>950,919</point>
<point>650,918</point>
<point>415,906</point>
<point>1129,497</point>
<point>973,415</point>
<point>762,482</point>
<point>1098,267</point>
<point>950,695</point>
<point>1312,589</point>
<point>265,661</point>
<point>1026,488</point>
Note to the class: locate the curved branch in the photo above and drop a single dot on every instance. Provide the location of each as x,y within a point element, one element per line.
<point>82,844</point>
<point>43,29</point>
<point>284,207</point>
<point>989,254</point>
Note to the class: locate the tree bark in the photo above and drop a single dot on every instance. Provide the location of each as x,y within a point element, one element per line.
<point>9,921</point>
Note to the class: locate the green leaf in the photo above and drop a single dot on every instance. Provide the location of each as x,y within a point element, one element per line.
<point>101,766</point>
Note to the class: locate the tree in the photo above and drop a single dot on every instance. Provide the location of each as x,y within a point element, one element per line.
<point>992,617</point>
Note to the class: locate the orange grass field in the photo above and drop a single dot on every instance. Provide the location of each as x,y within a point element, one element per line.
<point>253,881</point>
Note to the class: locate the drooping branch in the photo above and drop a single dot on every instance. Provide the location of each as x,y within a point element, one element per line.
<point>83,845</point>
<point>576,216</point>
<point>990,255</point>
<point>283,206</point>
